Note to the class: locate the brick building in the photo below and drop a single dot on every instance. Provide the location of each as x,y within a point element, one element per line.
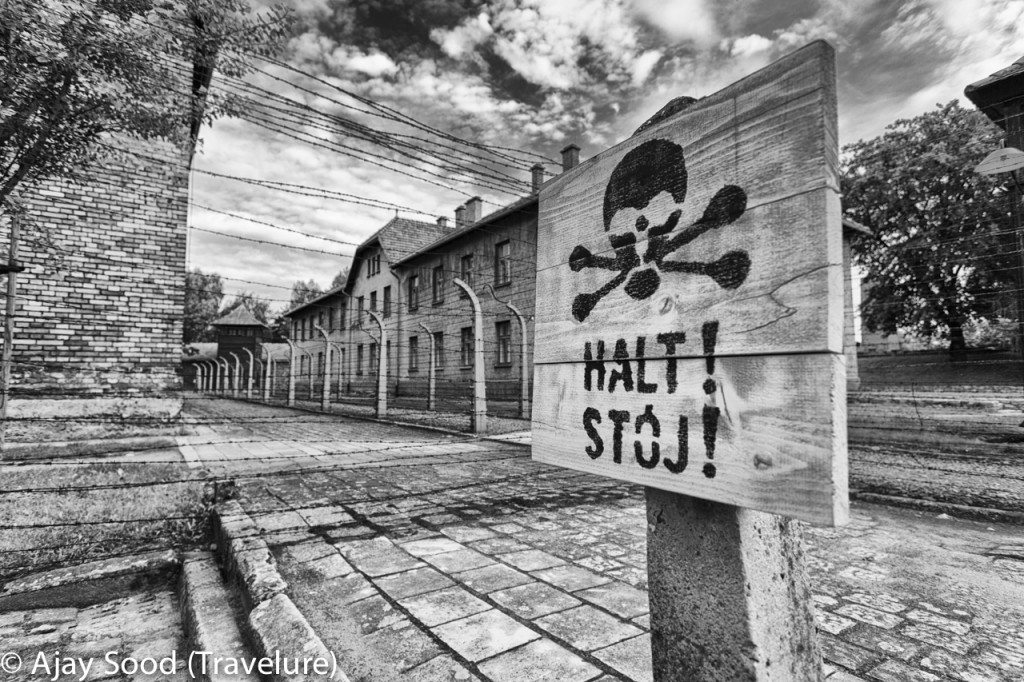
<point>100,305</point>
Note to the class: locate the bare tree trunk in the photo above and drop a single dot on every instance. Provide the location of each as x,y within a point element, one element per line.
<point>957,344</point>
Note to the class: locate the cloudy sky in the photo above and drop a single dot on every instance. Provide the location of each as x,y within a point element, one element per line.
<point>530,75</point>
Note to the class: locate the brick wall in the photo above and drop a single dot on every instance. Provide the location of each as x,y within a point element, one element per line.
<point>100,309</point>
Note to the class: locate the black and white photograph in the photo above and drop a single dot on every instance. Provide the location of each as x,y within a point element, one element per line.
<point>512,340</point>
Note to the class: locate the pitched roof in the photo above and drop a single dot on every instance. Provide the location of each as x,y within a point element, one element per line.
<point>397,238</point>
<point>239,317</point>
<point>451,235</point>
<point>991,92</point>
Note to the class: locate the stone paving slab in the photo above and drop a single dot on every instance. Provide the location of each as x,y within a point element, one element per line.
<point>899,594</point>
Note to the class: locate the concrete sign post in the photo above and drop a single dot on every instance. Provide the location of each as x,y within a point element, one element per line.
<point>382,367</point>
<point>479,413</point>
<point>431,379</point>
<point>689,339</point>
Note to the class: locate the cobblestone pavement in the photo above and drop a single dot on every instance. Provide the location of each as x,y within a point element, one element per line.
<point>144,625</point>
<point>421,557</point>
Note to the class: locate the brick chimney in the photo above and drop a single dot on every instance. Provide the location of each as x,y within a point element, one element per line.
<point>474,210</point>
<point>570,157</point>
<point>442,222</point>
<point>537,175</point>
<point>460,217</point>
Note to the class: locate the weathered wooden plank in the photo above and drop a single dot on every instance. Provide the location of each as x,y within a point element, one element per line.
<point>777,441</point>
<point>755,237</point>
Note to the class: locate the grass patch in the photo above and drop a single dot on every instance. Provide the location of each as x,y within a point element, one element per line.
<point>175,514</point>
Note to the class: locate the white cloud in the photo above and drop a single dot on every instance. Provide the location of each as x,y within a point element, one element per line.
<point>749,45</point>
<point>644,64</point>
<point>683,20</point>
<point>463,39</point>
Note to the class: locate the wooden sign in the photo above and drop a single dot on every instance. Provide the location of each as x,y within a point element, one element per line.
<point>690,304</point>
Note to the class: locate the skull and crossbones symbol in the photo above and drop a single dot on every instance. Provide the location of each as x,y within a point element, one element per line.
<point>647,170</point>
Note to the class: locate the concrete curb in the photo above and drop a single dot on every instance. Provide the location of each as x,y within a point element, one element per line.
<point>87,584</point>
<point>27,452</point>
<point>276,627</point>
<point>390,422</point>
<point>207,617</point>
<point>961,511</point>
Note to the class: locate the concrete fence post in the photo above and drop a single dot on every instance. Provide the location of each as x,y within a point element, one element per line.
<point>211,376</point>
<point>237,380</point>
<point>382,366</point>
<point>268,378</point>
<point>225,375</point>
<point>248,383</point>
<point>291,372</point>
<point>340,355</point>
<point>325,393</point>
<point>479,377</point>
<point>431,397</point>
<point>524,381</point>
<point>199,376</point>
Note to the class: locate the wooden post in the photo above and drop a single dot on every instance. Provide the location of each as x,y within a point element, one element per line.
<point>431,379</point>
<point>291,372</point>
<point>727,591</point>
<point>382,366</point>
<point>248,382</point>
<point>479,424</point>
<point>524,386</point>
<point>325,393</point>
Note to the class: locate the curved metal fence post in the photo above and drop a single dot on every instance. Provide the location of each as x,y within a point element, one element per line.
<point>268,377</point>
<point>479,375</point>
<point>431,378</point>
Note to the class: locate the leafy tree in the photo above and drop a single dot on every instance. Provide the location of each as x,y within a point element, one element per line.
<point>73,72</point>
<point>340,278</point>
<point>203,295</point>
<point>303,292</point>
<point>939,255</point>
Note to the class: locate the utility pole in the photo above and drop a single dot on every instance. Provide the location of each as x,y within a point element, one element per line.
<point>11,269</point>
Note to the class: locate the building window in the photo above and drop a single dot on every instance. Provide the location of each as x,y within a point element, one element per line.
<point>414,354</point>
<point>503,263</point>
<point>330,319</point>
<point>359,359</point>
<point>503,331</point>
<point>320,362</point>
<point>414,292</point>
<point>466,348</point>
<point>373,265</point>
<point>373,358</point>
<point>362,305</point>
<point>387,301</point>
<point>373,301</point>
<point>438,284</point>
<point>438,350</point>
<point>466,272</point>
<point>341,314</point>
